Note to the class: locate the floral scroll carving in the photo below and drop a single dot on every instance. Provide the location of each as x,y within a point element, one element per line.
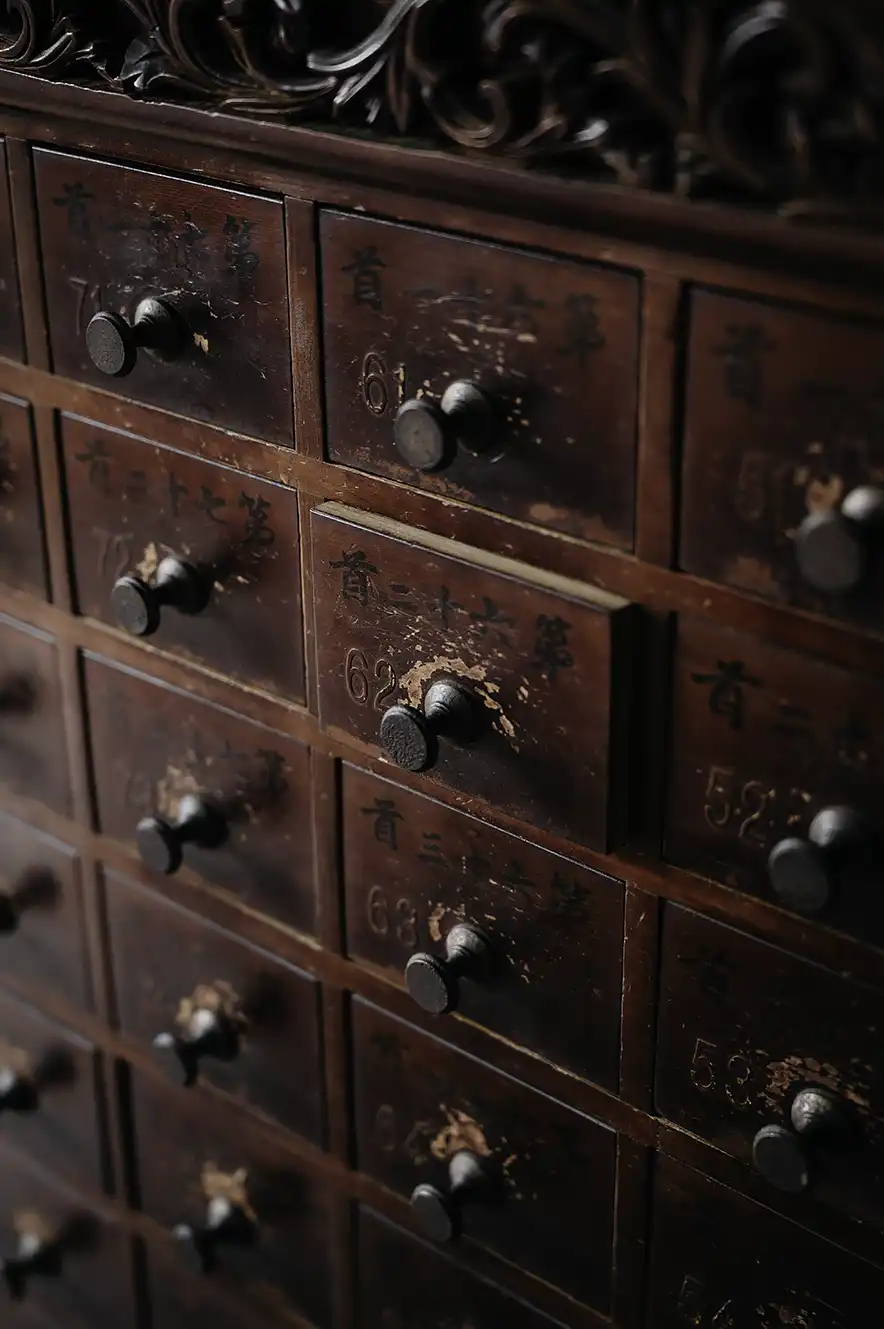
<point>775,101</point>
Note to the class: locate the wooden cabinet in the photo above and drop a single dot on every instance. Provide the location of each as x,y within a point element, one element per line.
<point>11,337</point>
<point>22,556</point>
<point>33,757</point>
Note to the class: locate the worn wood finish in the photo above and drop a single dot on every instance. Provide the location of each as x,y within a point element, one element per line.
<point>257,779</point>
<point>171,965</point>
<point>554,345</point>
<point>112,236</point>
<point>414,869</point>
<point>11,331</point>
<point>33,761</point>
<point>419,1103</point>
<point>22,555</point>
<point>184,1159</point>
<point>241,537</point>
<point>541,658</point>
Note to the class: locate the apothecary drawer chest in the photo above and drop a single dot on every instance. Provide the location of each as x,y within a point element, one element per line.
<point>441,528</point>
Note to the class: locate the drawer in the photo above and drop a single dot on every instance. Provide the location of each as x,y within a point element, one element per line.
<point>475,669</point>
<point>239,1212</point>
<point>11,338</point>
<point>771,744</point>
<point>179,1299</point>
<point>42,927</point>
<point>232,597</point>
<point>22,555</point>
<point>720,1259</point>
<point>775,1060</point>
<point>49,1083</point>
<point>405,1284</point>
<point>33,756</point>
<point>67,1260</point>
<point>216,1010</point>
<point>480,1153</point>
<point>784,455</point>
<point>539,357</point>
<point>184,780</point>
<point>519,940</point>
<point>216,344</point>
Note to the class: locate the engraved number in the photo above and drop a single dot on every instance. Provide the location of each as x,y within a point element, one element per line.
<point>365,683</point>
<point>754,799</point>
<point>739,1073</point>
<point>88,301</point>
<point>403,917</point>
<point>378,914</point>
<point>702,1072</point>
<point>718,808</point>
<point>374,383</point>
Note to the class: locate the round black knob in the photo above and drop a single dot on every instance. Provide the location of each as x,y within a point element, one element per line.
<point>113,343</point>
<point>161,842</point>
<point>434,983</point>
<point>17,695</point>
<point>833,547</point>
<point>227,1224</point>
<point>807,874</point>
<point>410,736</point>
<point>38,1255</point>
<point>207,1031</point>
<point>784,1156</point>
<point>427,435</point>
<point>137,604</point>
<point>18,1092</point>
<point>35,888</point>
<point>439,1214</point>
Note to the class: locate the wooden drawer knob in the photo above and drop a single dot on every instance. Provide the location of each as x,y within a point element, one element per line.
<point>434,983</point>
<point>833,547</point>
<point>113,343</point>
<point>161,842</point>
<point>41,1250</point>
<point>34,889</point>
<point>784,1156</point>
<point>437,1213</point>
<point>18,1092</point>
<point>229,1222</point>
<point>807,874</point>
<point>138,604</point>
<point>18,695</point>
<point>410,736</point>
<point>427,435</point>
<point>203,1030</point>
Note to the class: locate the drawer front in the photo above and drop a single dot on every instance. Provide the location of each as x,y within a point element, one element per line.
<point>767,741</point>
<point>744,1028</point>
<point>279,1259</point>
<point>154,747</point>
<point>113,236</point>
<point>540,659</point>
<point>720,1259</point>
<point>215,1010</point>
<point>180,1300</point>
<point>48,1087</point>
<point>11,339</point>
<point>552,344</point>
<point>405,1284</point>
<point>33,756</point>
<point>85,1278</point>
<point>421,1106</point>
<point>784,420</point>
<point>134,504</point>
<point>414,870</point>
<point>22,556</point>
<point>43,944</point>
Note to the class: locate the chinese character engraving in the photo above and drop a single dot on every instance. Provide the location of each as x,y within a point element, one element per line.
<point>211,505</point>
<point>241,258</point>
<point>551,650</point>
<point>74,199</point>
<point>177,491</point>
<point>259,533</point>
<point>386,818</point>
<point>356,574</point>
<point>743,356</point>
<point>583,335</point>
<point>365,270</point>
<point>726,684</point>
<point>97,458</point>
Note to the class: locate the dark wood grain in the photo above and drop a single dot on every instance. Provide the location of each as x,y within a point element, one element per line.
<point>419,1102</point>
<point>413,869</point>
<point>33,761</point>
<point>11,333</point>
<point>113,235</point>
<point>259,779</point>
<point>132,503</point>
<point>545,659</point>
<point>22,555</point>
<point>554,344</point>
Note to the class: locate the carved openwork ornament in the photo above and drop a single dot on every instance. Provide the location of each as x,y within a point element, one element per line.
<point>776,101</point>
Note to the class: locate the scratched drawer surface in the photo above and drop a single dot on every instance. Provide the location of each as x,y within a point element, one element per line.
<point>33,757</point>
<point>475,669</point>
<point>475,920</point>
<point>22,553</point>
<point>776,1060</point>
<point>42,926</point>
<point>238,1212</point>
<point>406,1284</point>
<point>483,1157</point>
<point>538,357</point>
<point>11,339</point>
<point>214,342</point>
<point>776,776</point>
<point>720,1259</point>
<point>187,784</point>
<point>784,455</point>
<point>214,1010</point>
<point>64,1257</point>
<point>49,1087</point>
<point>201,559</point>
